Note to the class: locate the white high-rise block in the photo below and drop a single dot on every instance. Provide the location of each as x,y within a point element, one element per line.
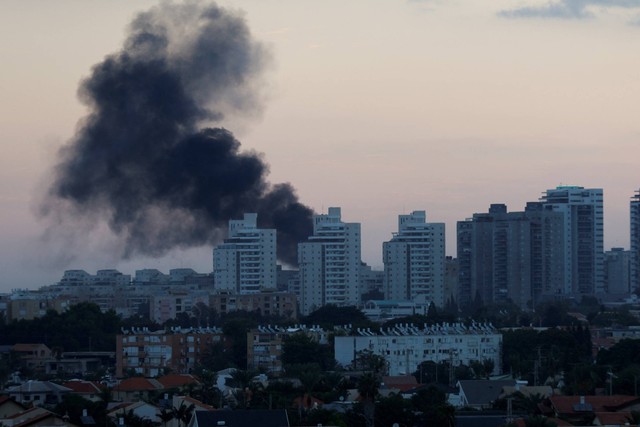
<point>246,262</point>
<point>414,260</point>
<point>329,263</point>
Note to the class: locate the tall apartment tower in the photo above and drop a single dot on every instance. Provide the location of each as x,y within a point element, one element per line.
<point>246,262</point>
<point>635,241</point>
<point>329,263</point>
<point>583,240</point>
<point>509,256</point>
<point>414,260</point>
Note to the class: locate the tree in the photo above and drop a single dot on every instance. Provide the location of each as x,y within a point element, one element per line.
<point>368,386</point>
<point>165,416</point>
<point>431,404</point>
<point>368,361</point>
<point>300,348</point>
<point>330,315</point>
<point>183,413</point>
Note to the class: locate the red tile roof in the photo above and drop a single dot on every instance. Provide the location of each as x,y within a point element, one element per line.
<point>307,402</point>
<point>177,380</point>
<point>198,404</point>
<point>84,387</point>
<point>138,384</point>
<point>565,404</point>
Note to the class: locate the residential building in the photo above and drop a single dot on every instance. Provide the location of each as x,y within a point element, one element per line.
<point>451,274</point>
<point>383,310</point>
<point>28,305</point>
<point>264,345</point>
<point>510,256</point>
<point>246,262</point>
<point>617,271</point>
<point>635,241</point>
<point>38,393</point>
<point>168,306</point>
<point>151,353</point>
<point>414,260</point>
<point>330,263</point>
<point>405,347</point>
<point>284,304</point>
<point>33,356</point>
<point>583,240</point>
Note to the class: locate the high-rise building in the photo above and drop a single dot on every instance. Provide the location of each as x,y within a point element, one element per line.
<point>635,241</point>
<point>583,240</point>
<point>509,256</point>
<point>246,262</point>
<point>617,271</point>
<point>414,258</point>
<point>329,263</point>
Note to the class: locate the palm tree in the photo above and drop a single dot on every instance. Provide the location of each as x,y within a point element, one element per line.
<point>368,388</point>
<point>242,380</point>
<point>183,413</point>
<point>165,416</point>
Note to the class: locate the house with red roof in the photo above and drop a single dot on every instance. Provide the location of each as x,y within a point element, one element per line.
<point>35,417</point>
<point>87,389</point>
<point>179,381</point>
<point>583,410</point>
<point>136,388</point>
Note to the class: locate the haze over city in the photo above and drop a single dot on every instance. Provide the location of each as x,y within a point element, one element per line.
<point>380,108</point>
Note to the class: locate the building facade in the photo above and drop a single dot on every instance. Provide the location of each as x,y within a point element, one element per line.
<point>414,260</point>
<point>583,240</point>
<point>264,345</point>
<point>635,240</point>
<point>405,347</point>
<point>330,263</point>
<point>617,271</point>
<point>153,353</point>
<point>284,304</point>
<point>246,262</point>
<point>510,256</point>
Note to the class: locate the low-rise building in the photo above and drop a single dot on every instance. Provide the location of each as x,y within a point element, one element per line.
<point>153,353</point>
<point>404,347</point>
<point>264,345</point>
<point>282,304</point>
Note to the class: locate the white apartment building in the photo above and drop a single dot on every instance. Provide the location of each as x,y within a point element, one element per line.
<point>414,261</point>
<point>246,262</point>
<point>583,241</point>
<point>405,347</point>
<point>329,263</point>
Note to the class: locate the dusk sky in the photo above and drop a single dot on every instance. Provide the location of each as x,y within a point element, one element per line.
<point>381,107</point>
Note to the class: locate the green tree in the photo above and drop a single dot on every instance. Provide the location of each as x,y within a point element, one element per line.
<point>368,361</point>
<point>165,416</point>
<point>431,404</point>
<point>330,315</point>
<point>300,348</point>
<point>183,413</point>
<point>368,386</point>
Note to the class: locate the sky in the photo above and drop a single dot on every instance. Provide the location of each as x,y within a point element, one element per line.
<point>380,107</point>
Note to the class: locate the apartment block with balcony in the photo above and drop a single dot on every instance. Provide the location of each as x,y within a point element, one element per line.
<point>246,262</point>
<point>153,353</point>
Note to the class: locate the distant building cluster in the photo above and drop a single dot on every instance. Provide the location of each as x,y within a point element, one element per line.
<point>553,248</point>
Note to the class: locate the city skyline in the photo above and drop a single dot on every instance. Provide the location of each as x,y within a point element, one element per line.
<point>455,106</point>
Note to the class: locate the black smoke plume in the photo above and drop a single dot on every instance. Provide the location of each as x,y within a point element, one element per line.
<point>140,161</point>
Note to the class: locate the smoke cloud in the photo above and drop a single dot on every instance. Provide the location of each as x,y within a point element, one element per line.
<point>141,161</point>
